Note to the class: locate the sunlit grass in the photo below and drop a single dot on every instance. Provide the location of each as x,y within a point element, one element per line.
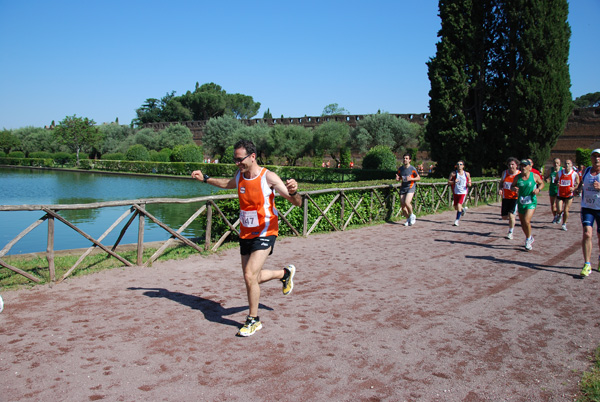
<point>590,382</point>
<point>37,265</point>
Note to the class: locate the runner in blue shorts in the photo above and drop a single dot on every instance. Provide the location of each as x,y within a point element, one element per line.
<point>589,186</point>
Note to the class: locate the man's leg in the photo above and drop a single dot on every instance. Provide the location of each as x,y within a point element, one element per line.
<point>559,208</point>
<point>511,220</point>
<point>407,202</point>
<point>565,209</point>
<point>254,275</point>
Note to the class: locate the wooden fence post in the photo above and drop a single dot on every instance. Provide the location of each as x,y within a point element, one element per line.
<point>305,218</point>
<point>50,248</point>
<point>140,245</point>
<point>208,232</point>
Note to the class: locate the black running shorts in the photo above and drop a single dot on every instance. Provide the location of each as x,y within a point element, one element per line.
<point>248,246</point>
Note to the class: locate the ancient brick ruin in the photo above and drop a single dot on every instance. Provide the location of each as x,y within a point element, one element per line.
<point>582,130</point>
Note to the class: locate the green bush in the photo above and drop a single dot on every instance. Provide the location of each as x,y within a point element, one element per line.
<point>2,154</point>
<point>137,152</point>
<point>163,156</point>
<point>379,157</point>
<point>227,155</point>
<point>187,153</point>
<point>16,154</point>
<point>117,156</point>
<point>345,157</point>
<point>43,155</point>
<point>583,156</point>
<point>63,158</point>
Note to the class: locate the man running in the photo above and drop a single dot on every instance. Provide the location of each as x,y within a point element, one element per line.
<point>508,210</point>
<point>555,204</point>
<point>590,209</point>
<point>529,185</point>
<point>460,181</point>
<point>409,176</point>
<point>259,226</point>
<point>568,181</point>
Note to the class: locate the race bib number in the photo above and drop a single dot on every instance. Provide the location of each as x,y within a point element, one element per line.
<point>507,185</point>
<point>525,200</point>
<point>249,219</point>
<point>405,178</point>
<point>565,183</point>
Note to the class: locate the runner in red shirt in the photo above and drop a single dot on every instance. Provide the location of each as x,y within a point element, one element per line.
<point>509,197</point>
<point>568,181</point>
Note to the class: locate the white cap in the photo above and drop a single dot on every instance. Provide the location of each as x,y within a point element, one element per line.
<point>596,151</point>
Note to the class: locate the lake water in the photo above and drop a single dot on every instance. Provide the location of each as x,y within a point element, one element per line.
<point>46,187</point>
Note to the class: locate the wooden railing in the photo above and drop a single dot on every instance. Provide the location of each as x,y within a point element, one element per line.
<point>322,210</point>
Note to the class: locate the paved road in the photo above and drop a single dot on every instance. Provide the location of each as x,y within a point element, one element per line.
<point>384,313</point>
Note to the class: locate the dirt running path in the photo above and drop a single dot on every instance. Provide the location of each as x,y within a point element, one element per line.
<point>392,313</point>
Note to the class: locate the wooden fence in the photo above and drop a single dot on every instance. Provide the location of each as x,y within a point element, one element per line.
<point>322,210</point>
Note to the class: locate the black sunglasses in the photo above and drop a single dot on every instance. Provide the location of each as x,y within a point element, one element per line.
<point>240,160</point>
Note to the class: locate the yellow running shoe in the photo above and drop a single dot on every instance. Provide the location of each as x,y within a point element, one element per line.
<point>288,279</point>
<point>587,269</point>
<point>252,325</point>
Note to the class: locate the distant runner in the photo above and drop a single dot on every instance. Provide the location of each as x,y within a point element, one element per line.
<point>460,181</point>
<point>508,210</point>
<point>529,185</point>
<point>409,177</point>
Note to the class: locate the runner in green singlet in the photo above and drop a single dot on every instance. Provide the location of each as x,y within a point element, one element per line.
<point>555,203</point>
<point>529,185</point>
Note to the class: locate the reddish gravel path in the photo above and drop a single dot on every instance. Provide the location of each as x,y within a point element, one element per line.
<point>424,313</point>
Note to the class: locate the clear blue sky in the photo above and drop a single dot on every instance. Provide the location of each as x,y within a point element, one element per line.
<point>103,59</point>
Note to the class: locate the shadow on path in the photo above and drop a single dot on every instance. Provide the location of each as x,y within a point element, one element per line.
<point>530,265</point>
<point>212,310</point>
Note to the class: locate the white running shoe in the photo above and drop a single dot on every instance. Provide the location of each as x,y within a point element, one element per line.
<point>1,304</point>
<point>564,227</point>
<point>528,243</point>
<point>464,211</point>
<point>456,222</point>
<point>509,236</point>
<point>413,219</point>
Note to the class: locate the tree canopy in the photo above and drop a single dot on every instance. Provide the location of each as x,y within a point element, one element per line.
<point>78,133</point>
<point>332,109</point>
<point>204,102</point>
<point>8,141</point>
<point>588,100</point>
<point>384,129</point>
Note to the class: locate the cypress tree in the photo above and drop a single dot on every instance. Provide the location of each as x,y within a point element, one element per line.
<point>499,82</point>
<point>539,98</point>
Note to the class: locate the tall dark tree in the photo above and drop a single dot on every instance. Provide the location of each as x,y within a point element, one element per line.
<point>457,92</point>
<point>499,81</point>
<point>538,97</point>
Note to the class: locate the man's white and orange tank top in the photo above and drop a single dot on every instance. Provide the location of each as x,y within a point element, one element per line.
<point>506,183</point>
<point>258,215</point>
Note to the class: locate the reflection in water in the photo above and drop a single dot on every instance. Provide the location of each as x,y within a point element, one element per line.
<point>77,216</point>
<point>32,186</point>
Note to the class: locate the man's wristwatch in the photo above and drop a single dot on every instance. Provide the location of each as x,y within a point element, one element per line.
<point>206,177</point>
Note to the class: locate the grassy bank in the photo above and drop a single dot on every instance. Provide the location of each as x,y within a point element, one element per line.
<point>37,264</point>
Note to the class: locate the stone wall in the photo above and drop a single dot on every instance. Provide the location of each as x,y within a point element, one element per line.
<point>582,129</point>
